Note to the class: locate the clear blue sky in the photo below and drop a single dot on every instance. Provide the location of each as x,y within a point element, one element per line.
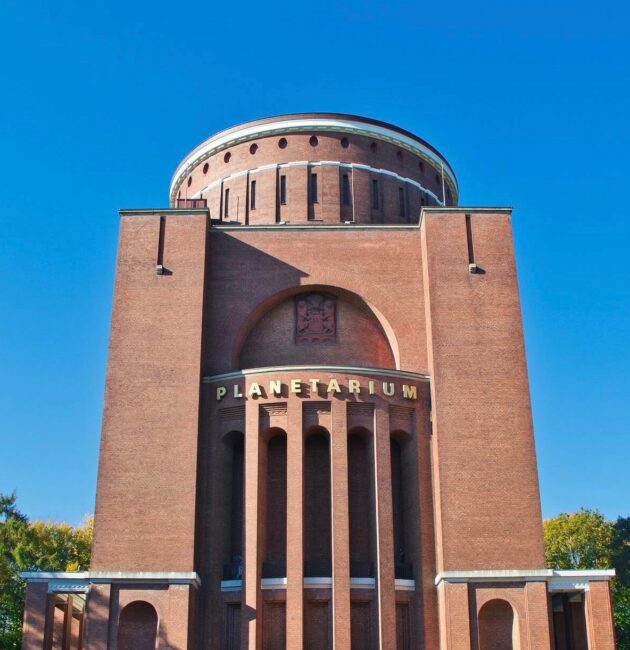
<point>530,102</point>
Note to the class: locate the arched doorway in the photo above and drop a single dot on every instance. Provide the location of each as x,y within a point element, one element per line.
<point>498,626</point>
<point>137,626</point>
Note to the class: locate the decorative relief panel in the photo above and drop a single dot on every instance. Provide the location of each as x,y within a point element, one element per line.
<point>315,318</point>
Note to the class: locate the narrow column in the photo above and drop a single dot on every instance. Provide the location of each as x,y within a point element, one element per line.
<point>67,624</point>
<point>35,616</point>
<point>385,576</point>
<point>295,548</point>
<point>454,616</point>
<point>251,605</point>
<point>537,615</point>
<point>340,529</point>
<point>599,617</point>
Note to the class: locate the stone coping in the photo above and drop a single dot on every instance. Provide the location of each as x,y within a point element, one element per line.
<point>107,577</point>
<point>558,580</point>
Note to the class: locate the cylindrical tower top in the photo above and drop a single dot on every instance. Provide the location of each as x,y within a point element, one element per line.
<point>319,167</point>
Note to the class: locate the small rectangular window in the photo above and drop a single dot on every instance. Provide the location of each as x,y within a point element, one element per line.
<point>345,190</point>
<point>226,207</point>
<point>313,188</point>
<point>252,195</point>
<point>375,195</point>
<point>401,201</point>
<point>283,190</point>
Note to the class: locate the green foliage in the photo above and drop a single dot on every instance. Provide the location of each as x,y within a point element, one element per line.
<point>586,540</point>
<point>580,540</point>
<point>36,546</point>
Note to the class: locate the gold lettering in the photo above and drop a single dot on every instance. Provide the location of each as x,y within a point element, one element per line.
<point>388,388</point>
<point>313,383</point>
<point>237,391</point>
<point>275,388</point>
<point>296,386</point>
<point>254,389</point>
<point>354,386</point>
<point>333,386</point>
<point>221,393</point>
<point>371,390</point>
<point>410,392</point>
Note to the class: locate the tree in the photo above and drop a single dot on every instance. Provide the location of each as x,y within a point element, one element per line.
<point>580,540</point>
<point>587,540</point>
<point>36,546</point>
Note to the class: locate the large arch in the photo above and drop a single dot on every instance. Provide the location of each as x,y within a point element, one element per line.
<point>498,626</point>
<point>137,626</point>
<point>373,323</point>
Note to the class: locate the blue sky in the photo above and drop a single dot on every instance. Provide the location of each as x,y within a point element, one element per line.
<point>528,101</point>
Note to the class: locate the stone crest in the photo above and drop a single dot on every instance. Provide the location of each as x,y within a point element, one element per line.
<point>315,318</point>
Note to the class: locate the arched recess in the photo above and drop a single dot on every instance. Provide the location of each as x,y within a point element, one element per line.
<point>498,626</point>
<point>361,503</point>
<point>137,626</point>
<point>317,505</point>
<point>405,509</point>
<point>268,337</point>
<point>275,556</point>
<point>233,455</point>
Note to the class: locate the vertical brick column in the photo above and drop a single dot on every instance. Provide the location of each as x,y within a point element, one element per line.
<point>385,577</point>
<point>251,606</point>
<point>537,616</point>
<point>454,616</point>
<point>35,610</point>
<point>295,547</point>
<point>424,556</point>
<point>96,618</point>
<point>340,525</point>
<point>599,619</point>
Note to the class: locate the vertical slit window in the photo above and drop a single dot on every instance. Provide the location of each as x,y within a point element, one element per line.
<point>226,207</point>
<point>401,201</point>
<point>375,194</point>
<point>313,188</point>
<point>252,195</point>
<point>345,190</point>
<point>283,190</point>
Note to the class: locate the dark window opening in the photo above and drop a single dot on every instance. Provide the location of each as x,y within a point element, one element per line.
<point>205,168</point>
<point>344,143</point>
<point>313,188</point>
<point>313,141</point>
<point>252,195</point>
<point>226,207</point>
<point>253,149</point>
<point>375,195</point>
<point>345,189</point>
<point>282,143</point>
<point>283,190</point>
<point>227,157</point>
<point>401,201</point>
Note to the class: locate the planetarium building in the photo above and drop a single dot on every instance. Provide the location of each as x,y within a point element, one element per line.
<point>317,430</point>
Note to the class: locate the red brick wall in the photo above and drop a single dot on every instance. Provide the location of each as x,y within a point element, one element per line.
<point>145,502</point>
<point>485,485</point>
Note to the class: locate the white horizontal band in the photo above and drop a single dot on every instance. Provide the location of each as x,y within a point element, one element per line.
<point>108,577</point>
<point>321,163</point>
<point>558,580</point>
<point>353,370</point>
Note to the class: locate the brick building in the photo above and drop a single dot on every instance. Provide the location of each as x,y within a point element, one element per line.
<point>317,429</point>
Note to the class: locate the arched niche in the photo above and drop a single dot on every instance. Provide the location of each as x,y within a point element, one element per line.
<point>137,626</point>
<point>274,441</point>
<point>498,626</point>
<point>316,325</point>
<point>317,503</point>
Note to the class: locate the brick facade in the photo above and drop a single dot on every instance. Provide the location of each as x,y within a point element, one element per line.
<point>317,430</point>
